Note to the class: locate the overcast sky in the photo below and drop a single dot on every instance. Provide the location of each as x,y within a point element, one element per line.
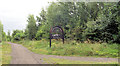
<point>14,13</point>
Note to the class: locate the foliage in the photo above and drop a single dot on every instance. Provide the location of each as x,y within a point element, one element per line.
<point>9,38</point>
<point>32,29</point>
<point>18,35</point>
<point>1,30</point>
<point>82,22</point>
<point>99,23</point>
<point>3,36</point>
<point>42,18</point>
<point>43,31</point>
<point>106,26</point>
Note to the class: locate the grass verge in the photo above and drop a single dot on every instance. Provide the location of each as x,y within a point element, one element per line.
<point>65,61</point>
<point>72,48</point>
<point>6,51</point>
<point>0,53</point>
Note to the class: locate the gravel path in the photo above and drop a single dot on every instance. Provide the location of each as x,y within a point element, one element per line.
<point>21,55</point>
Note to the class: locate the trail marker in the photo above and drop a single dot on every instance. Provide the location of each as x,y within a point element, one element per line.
<point>56,33</point>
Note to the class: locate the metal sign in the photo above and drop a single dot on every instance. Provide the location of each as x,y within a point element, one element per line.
<point>56,33</point>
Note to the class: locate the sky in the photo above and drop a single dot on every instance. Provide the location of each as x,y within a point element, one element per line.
<point>14,13</point>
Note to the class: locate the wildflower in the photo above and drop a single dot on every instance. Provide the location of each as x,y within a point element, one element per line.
<point>53,43</point>
<point>77,44</point>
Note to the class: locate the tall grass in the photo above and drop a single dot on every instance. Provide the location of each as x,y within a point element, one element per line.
<point>65,61</point>
<point>0,53</point>
<point>72,48</point>
<point>6,51</point>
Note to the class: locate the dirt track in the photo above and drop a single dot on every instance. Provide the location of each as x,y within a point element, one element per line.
<point>21,55</point>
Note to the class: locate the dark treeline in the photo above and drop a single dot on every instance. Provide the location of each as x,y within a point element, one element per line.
<point>95,22</point>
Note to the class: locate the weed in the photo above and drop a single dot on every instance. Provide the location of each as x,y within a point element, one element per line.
<point>70,49</point>
<point>6,50</point>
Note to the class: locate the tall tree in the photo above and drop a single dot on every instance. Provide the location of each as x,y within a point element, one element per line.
<point>105,25</point>
<point>1,31</point>
<point>80,21</point>
<point>8,36</point>
<point>32,29</point>
<point>42,17</point>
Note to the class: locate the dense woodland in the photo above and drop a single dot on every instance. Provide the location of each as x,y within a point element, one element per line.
<point>91,22</point>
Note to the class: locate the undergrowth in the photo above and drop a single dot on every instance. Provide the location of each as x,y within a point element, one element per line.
<point>6,51</point>
<point>72,48</point>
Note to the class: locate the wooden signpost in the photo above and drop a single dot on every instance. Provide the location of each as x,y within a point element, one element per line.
<point>56,33</point>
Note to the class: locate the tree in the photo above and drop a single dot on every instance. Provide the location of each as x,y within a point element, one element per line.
<point>16,31</point>
<point>32,29</point>
<point>1,31</point>
<point>4,37</point>
<point>18,35</point>
<point>41,18</point>
<point>106,25</point>
<point>8,36</point>
<point>80,21</point>
<point>62,14</point>
<point>42,26</point>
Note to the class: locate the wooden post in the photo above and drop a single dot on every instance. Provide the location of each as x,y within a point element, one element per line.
<point>63,40</point>
<point>50,42</point>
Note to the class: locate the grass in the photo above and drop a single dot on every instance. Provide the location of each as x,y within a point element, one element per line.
<point>72,48</point>
<point>0,53</point>
<point>6,50</point>
<point>65,61</point>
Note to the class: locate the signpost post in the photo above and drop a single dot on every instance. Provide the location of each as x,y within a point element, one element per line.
<point>56,33</point>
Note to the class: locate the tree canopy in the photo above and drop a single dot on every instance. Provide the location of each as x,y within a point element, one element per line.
<point>1,30</point>
<point>94,21</point>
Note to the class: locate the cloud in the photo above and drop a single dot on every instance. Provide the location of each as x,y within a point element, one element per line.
<point>14,13</point>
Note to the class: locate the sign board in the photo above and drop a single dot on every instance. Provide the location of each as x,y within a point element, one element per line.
<point>56,33</point>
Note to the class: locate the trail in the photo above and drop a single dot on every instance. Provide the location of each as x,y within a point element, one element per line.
<point>21,55</point>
